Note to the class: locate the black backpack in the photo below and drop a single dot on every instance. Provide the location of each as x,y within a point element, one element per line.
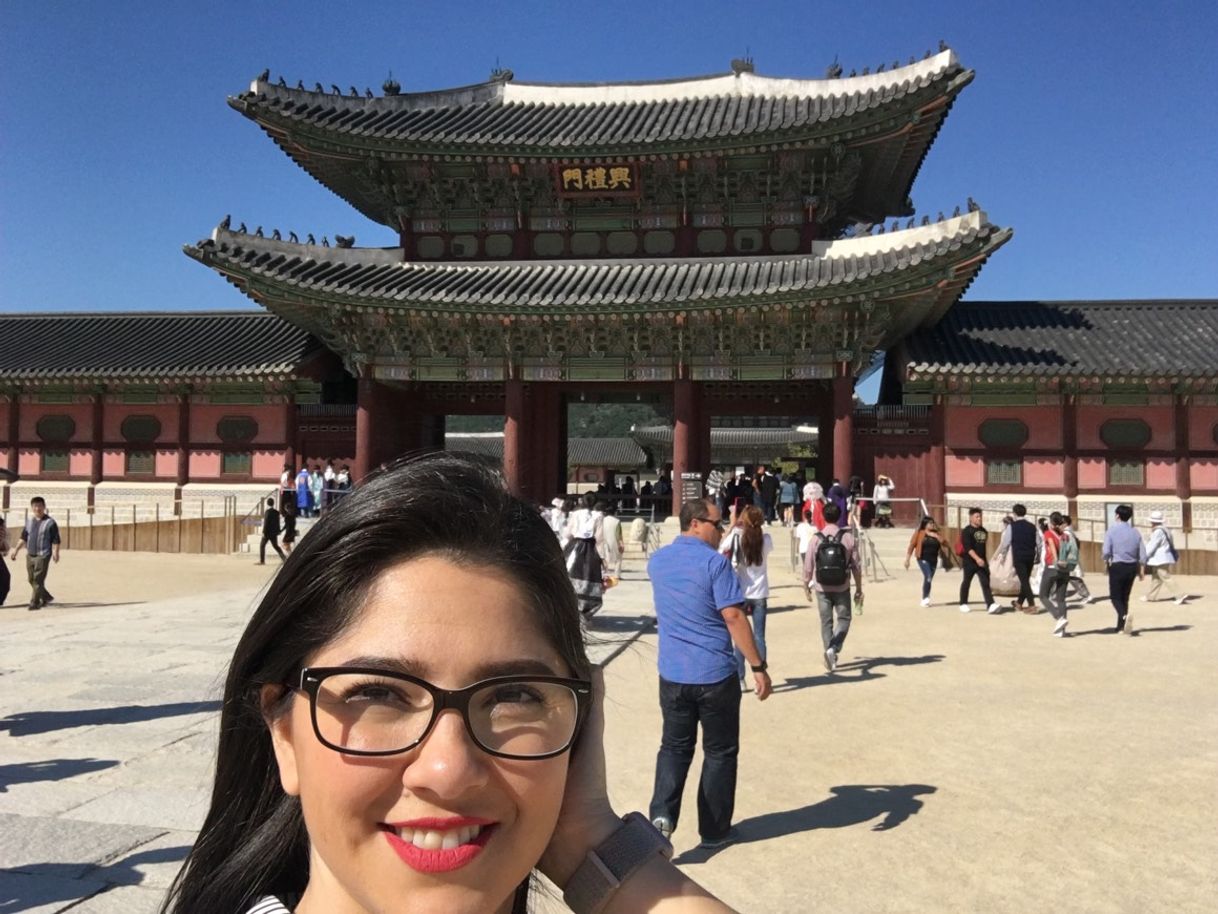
<point>832,562</point>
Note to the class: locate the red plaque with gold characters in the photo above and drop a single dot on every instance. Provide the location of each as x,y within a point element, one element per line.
<point>597,179</point>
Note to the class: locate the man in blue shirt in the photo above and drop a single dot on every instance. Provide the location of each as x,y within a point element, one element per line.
<point>1125,554</point>
<point>699,615</point>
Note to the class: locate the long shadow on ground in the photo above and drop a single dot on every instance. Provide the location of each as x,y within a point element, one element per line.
<point>850,804</point>
<point>39,884</point>
<point>50,770</point>
<point>861,670</point>
<point>48,721</point>
<point>1136,632</point>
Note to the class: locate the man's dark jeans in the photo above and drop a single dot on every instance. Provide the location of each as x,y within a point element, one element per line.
<point>1120,584</point>
<point>717,708</point>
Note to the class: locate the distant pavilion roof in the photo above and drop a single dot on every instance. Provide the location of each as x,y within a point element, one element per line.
<point>272,272</point>
<point>892,115</point>
<point>1136,338</point>
<point>151,346</point>
<point>620,453</point>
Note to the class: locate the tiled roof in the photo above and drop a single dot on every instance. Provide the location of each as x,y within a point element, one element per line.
<point>378,278</point>
<point>506,116</point>
<point>608,452</point>
<point>151,346</point>
<point>1132,338</point>
<point>729,437</point>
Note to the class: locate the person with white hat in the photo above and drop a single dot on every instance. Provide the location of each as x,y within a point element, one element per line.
<point>1161,555</point>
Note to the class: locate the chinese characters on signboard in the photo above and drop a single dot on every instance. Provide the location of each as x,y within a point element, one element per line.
<point>598,180</point>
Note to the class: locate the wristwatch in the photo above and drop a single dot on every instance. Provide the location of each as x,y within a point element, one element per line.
<point>759,669</point>
<point>612,863</point>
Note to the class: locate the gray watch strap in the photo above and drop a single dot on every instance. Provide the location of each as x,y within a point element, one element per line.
<point>610,864</point>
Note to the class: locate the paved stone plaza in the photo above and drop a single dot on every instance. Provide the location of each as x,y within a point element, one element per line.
<point>954,763</point>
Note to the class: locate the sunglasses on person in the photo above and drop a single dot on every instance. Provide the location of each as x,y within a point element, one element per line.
<point>718,523</point>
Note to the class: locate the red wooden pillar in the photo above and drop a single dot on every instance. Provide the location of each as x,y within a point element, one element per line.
<point>98,438</point>
<point>1070,454</point>
<point>1184,482</point>
<point>14,431</point>
<point>514,456</point>
<point>684,409</point>
<point>183,473</point>
<point>936,476</point>
<point>290,431</point>
<point>824,436</point>
<point>843,425</point>
<point>368,416</point>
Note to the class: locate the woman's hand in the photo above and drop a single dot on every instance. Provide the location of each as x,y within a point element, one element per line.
<point>586,818</point>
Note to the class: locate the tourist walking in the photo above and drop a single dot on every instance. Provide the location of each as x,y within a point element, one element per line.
<point>971,549</point>
<point>833,558</point>
<point>6,579</point>
<point>40,540</point>
<point>837,495</point>
<point>748,547</point>
<point>803,537</point>
<point>699,616</point>
<point>1161,556</point>
<point>881,494</point>
<point>1125,554</point>
<point>583,562</point>
<point>1026,544</point>
<point>1061,558</point>
<point>926,543</point>
<point>289,525</point>
<point>788,496</point>
<point>303,503</point>
<point>611,539</point>
<point>317,485</point>
<point>1078,587</point>
<point>270,532</point>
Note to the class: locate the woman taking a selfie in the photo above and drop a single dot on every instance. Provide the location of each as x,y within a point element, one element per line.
<point>411,724</point>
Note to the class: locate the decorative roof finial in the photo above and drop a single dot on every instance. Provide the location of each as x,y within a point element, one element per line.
<point>973,206</point>
<point>293,238</point>
<point>282,83</point>
<point>345,241</point>
<point>942,45</point>
<point>309,239</point>
<point>834,70</point>
<point>391,86</point>
<point>743,64</point>
<point>264,76</point>
<point>241,229</point>
<point>275,236</point>
<point>319,89</point>
<point>367,92</point>
<point>258,232</point>
<point>956,212</point>
<point>226,222</point>
<point>334,90</point>
<point>501,74</point>
<point>300,85</point>
<point>354,92</point>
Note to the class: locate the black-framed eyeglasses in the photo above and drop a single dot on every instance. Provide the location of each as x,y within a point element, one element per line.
<point>718,523</point>
<point>372,712</point>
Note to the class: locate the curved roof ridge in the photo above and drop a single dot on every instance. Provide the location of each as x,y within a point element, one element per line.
<point>729,84</point>
<point>713,85</point>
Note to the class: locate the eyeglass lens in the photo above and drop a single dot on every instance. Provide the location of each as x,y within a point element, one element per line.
<point>368,713</point>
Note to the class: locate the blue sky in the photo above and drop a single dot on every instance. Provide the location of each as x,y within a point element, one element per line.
<point>1090,127</point>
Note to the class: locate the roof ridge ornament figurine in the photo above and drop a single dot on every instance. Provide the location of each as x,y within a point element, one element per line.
<point>973,205</point>
<point>292,238</point>
<point>264,76</point>
<point>391,86</point>
<point>345,241</point>
<point>743,65</point>
<point>226,221</point>
<point>834,70</point>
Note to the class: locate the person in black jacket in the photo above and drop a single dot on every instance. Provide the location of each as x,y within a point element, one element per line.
<point>270,532</point>
<point>972,556</point>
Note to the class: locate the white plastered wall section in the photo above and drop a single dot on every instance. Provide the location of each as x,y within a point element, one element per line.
<point>209,497</point>
<point>1095,508</point>
<point>67,502</point>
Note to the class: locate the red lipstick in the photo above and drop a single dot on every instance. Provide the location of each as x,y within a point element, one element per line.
<point>439,861</point>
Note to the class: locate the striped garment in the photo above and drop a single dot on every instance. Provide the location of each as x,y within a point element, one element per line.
<point>268,905</point>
